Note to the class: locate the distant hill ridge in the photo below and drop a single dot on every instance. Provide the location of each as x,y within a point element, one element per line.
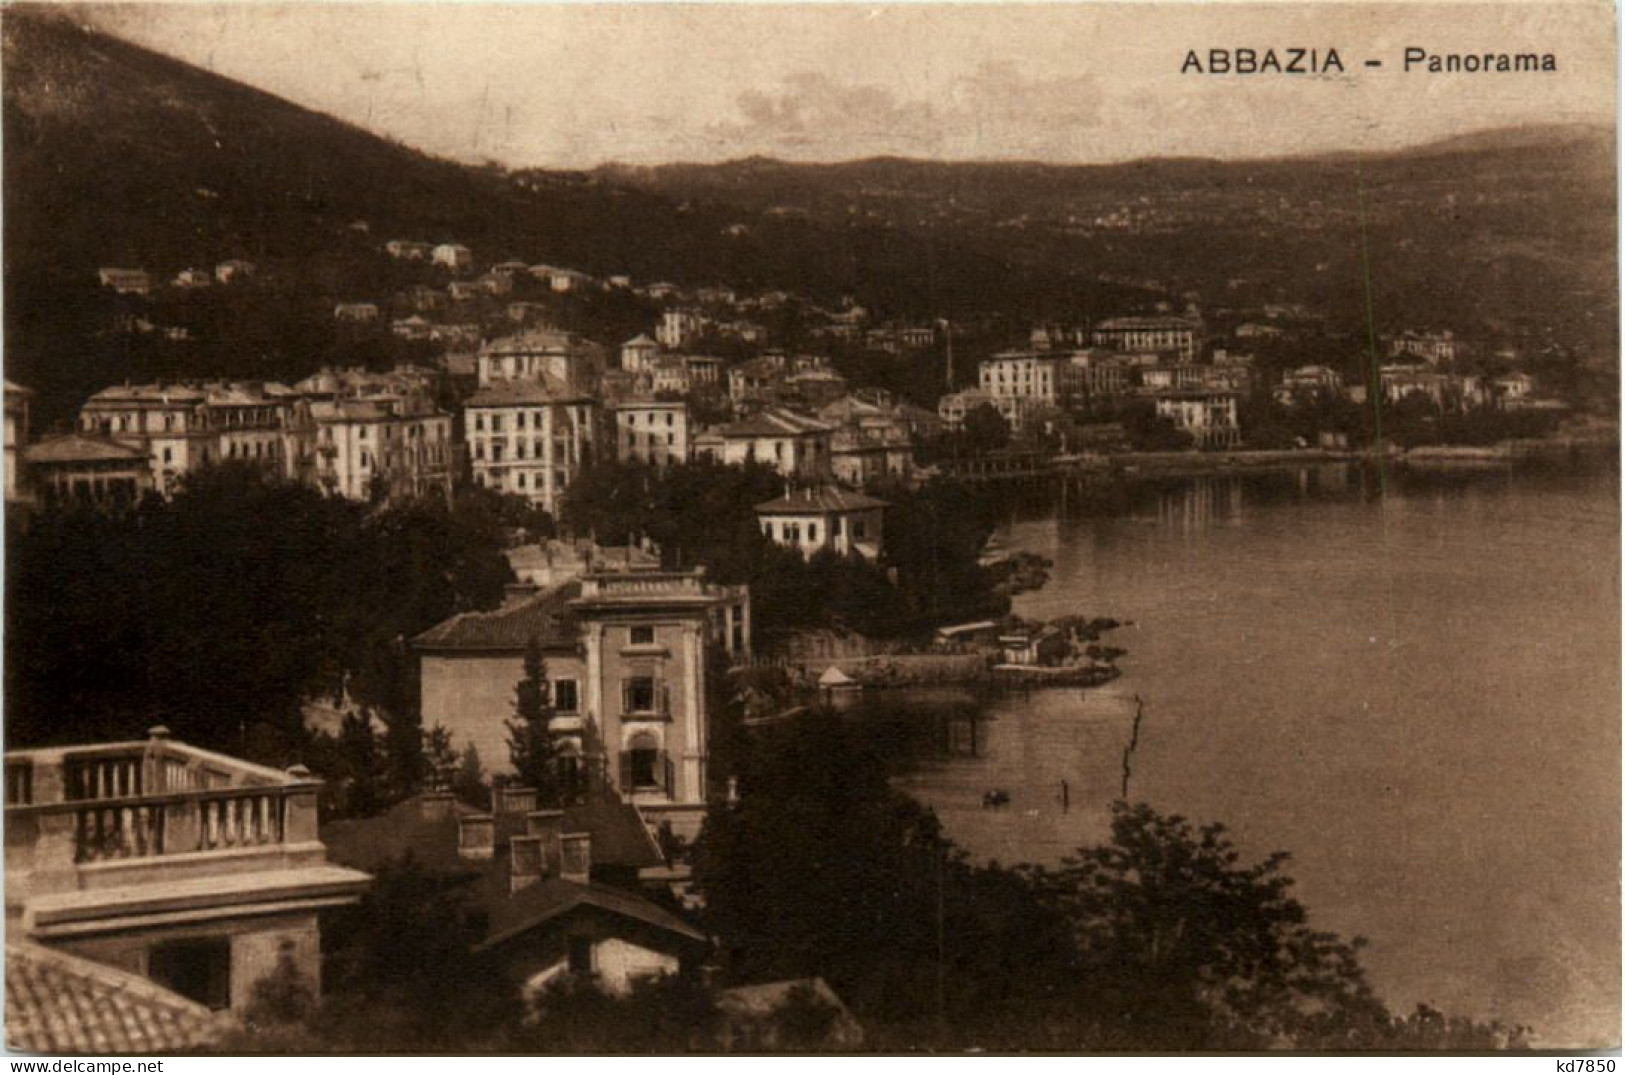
<point>116,155</point>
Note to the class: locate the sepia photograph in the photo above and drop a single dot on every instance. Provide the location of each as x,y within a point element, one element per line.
<point>689,529</point>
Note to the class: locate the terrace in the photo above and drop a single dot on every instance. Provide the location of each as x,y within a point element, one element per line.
<point>117,815</point>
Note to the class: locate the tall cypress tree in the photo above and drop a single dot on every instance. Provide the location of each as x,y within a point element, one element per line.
<point>531,749</point>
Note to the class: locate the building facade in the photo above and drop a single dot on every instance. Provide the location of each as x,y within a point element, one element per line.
<point>1178,336</point>
<point>627,658</point>
<point>651,431</point>
<point>530,437</point>
<point>814,520</point>
<point>793,444</point>
<point>1209,417</point>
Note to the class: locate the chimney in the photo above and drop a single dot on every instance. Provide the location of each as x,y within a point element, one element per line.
<point>527,862</point>
<point>476,836</point>
<point>510,799</point>
<point>576,855</point>
<point>547,826</point>
<point>436,805</point>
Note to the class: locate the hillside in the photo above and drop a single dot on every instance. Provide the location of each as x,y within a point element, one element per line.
<point>1494,232</point>
<point>118,156</point>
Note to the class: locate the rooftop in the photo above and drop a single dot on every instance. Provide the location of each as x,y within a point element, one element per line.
<point>59,1003</point>
<point>774,422</point>
<point>545,389</point>
<point>819,502</point>
<point>547,617</point>
<point>1160,322</point>
<point>78,448</point>
<point>554,897</point>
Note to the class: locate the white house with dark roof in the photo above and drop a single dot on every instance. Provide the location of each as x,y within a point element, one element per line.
<point>639,353</point>
<point>454,256</point>
<point>562,891</point>
<point>793,444</point>
<point>812,520</point>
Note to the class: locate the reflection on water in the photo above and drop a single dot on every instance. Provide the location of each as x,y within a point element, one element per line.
<point>1410,684</point>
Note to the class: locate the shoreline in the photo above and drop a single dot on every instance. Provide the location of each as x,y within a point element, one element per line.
<point>1133,465</point>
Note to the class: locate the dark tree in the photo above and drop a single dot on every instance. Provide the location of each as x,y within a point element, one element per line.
<point>531,748</point>
<point>1186,940</point>
<point>985,430</point>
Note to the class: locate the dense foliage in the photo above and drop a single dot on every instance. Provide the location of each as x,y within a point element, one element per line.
<point>1164,937</point>
<point>702,514</point>
<point>219,612</point>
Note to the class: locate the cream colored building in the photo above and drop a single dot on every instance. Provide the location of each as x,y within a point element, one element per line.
<point>627,658</point>
<point>638,354</point>
<point>1179,336</point>
<point>1208,416</point>
<point>1027,375</point>
<point>541,353</point>
<point>651,431</point>
<point>530,437</point>
<point>793,444</point>
<point>814,520</point>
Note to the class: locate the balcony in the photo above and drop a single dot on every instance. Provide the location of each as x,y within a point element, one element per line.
<point>116,815</point>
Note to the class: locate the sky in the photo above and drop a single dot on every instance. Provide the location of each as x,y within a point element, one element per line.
<point>577,85</point>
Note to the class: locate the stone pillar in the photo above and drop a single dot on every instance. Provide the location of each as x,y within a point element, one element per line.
<point>694,717</point>
<point>299,819</point>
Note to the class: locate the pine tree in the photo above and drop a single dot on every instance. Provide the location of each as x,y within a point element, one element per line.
<point>531,749</point>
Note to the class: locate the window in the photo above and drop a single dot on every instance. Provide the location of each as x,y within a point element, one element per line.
<point>858,530</point>
<point>642,635</point>
<point>812,531</point>
<point>496,423</point>
<point>479,423</point>
<point>641,764</point>
<point>580,955</point>
<point>169,455</point>
<point>199,970</point>
<point>638,694</point>
<point>566,698</point>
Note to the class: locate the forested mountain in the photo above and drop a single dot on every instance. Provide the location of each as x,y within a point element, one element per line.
<point>117,156</point>
<point>1492,232</point>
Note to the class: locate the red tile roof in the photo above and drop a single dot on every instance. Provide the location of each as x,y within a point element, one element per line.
<point>59,1003</point>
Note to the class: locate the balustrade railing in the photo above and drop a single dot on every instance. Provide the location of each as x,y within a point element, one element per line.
<point>141,800</point>
<point>104,831</point>
<point>240,820</point>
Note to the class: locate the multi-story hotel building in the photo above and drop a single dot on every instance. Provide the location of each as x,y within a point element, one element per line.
<point>530,437</point>
<point>651,431</point>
